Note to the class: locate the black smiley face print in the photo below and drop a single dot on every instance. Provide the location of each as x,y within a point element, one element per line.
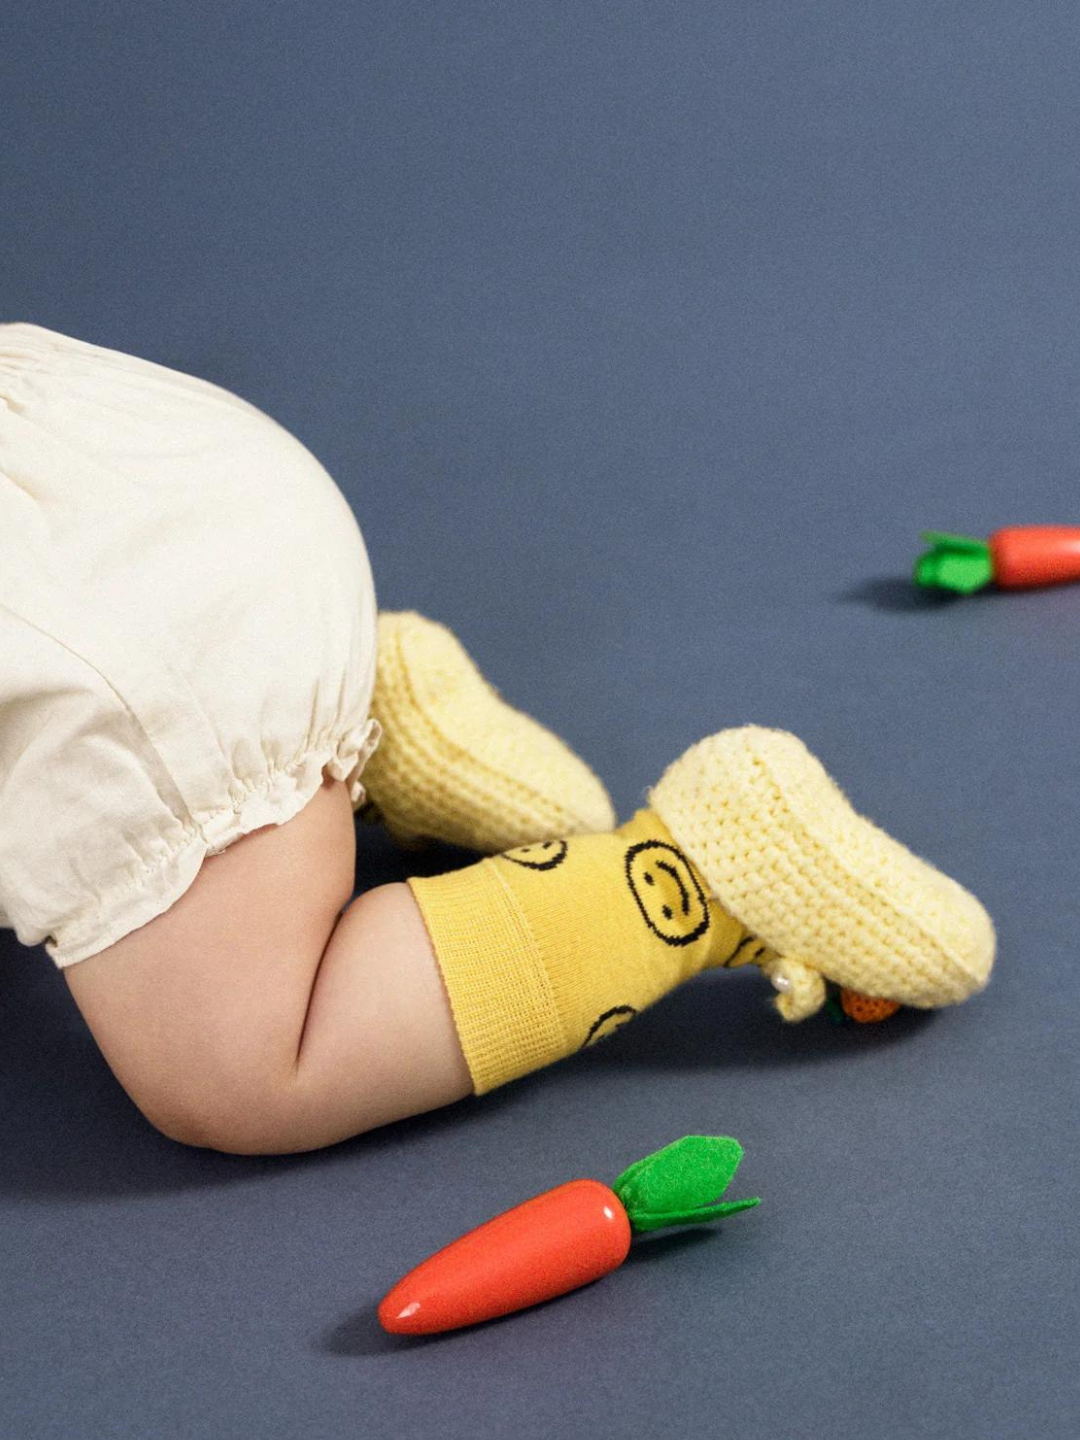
<point>667,892</point>
<point>540,855</point>
<point>607,1023</point>
<point>749,949</point>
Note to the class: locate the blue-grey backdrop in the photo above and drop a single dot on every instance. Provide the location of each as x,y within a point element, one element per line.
<point>644,339</point>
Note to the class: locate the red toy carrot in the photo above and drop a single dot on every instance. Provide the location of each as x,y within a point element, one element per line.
<point>1016,557</point>
<point>563,1238</point>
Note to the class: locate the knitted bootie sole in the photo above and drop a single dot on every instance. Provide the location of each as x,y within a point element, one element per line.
<point>456,763</point>
<point>829,892</point>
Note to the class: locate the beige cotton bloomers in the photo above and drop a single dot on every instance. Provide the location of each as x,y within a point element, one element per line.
<point>187,635</point>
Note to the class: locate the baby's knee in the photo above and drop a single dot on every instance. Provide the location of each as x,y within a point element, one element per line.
<point>242,1093</point>
<point>205,1108</point>
<point>207,1062</point>
<point>236,1089</point>
<point>255,1119</point>
<point>274,1115</point>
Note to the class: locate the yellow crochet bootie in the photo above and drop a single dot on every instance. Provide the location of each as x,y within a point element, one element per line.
<point>831,895</point>
<point>457,763</point>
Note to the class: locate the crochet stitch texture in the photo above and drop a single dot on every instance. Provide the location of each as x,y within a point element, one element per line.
<point>457,763</point>
<point>836,897</point>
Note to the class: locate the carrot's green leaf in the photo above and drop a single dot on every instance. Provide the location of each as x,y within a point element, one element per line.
<point>954,542</point>
<point>643,1221</point>
<point>954,562</point>
<point>679,1184</point>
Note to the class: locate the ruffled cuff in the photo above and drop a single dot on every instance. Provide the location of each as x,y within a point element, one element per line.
<point>354,750</point>
<point>284,793</point>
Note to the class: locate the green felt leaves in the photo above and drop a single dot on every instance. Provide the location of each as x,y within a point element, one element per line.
<point>954,562</point>
<point>678,1185</point>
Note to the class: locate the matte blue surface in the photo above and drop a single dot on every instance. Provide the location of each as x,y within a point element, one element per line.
<point>644,340</point>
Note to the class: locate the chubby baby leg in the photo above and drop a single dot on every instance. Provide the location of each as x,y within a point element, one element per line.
<point>235,1021</point>
<point>258,1016</point>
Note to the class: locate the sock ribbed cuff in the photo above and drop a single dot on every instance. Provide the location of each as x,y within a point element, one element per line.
<point>500,996</point>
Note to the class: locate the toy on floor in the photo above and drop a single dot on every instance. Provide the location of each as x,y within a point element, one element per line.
<point>563,1238</point>
<point>1015,558</point>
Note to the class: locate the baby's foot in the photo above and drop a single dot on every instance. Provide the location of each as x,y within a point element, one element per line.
<point>457,763</point>
<point>831,895</point>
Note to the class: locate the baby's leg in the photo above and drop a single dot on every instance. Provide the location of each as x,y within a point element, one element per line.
<point>237,1021</point>
<point>255,1017</point>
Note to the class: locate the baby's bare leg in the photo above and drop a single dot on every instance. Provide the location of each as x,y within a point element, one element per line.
<point>379,1043</point>
<point>255,1017</point>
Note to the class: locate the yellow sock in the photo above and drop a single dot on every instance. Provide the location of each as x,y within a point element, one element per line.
<point>549,947</point>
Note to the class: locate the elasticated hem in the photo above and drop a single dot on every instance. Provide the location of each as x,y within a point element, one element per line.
<point>271,800</point>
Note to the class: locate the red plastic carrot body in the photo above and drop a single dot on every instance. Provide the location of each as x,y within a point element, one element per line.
<point>552,1243</point>
<point>1035,555</point>
<point>562,1238</point>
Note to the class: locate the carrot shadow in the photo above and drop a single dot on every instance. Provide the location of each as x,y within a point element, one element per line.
<point>648,1248</point>
<point>895,593</point>
<point>360,1335</point>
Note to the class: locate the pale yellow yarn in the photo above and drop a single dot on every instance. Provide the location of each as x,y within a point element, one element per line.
<point>833,895</point>
<point>802,990</point>
<point>456,762</point>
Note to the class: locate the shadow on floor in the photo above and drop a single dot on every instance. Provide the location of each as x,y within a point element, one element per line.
<point>899,593</point>
<point>726,1020</point>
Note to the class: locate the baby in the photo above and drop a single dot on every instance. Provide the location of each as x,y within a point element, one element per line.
<point>197,694</point>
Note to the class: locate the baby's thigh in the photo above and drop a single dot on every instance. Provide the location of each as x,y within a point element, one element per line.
<point>204,1005</point>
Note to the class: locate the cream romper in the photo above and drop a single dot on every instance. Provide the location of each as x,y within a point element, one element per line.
<point>187,635</point>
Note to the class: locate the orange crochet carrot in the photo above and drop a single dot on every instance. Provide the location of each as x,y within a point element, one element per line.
<point>563,1238</point>
<point>867,1009</point>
